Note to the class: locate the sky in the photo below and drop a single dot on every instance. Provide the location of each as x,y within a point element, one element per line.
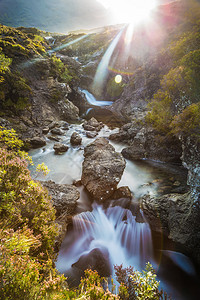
<point>56,15</point>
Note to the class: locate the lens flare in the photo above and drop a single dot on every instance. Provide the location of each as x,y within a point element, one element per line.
<point>129,11</point>
<point>118,78</point>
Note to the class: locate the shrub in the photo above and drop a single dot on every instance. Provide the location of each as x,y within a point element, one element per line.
<point>139,285</point>
<point>188,122</point>
<point>59,70</point>
<point>21,275</point>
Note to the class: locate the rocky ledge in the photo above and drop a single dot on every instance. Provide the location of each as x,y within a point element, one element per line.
<point>176,216</point>
<point>65,199</point>
<point>102,169</point>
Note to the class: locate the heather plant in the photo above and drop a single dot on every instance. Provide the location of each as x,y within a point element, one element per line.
<point>23,276</point>
<point>139,285</point>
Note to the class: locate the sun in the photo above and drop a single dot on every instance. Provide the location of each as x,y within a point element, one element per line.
<point>129,11</point>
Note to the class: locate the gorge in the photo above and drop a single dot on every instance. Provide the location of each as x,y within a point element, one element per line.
<point>114,114</point>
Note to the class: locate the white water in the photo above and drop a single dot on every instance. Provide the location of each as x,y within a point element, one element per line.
<point>114,229</point>
<point>92,100</point>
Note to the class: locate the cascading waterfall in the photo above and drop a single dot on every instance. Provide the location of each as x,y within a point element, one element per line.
<point>114,229</point>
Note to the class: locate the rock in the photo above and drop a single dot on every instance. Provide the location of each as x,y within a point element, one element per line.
<point>97,259</point>
<point>102,169</point>
<point>75,139</point>
<point>64,197</point>
<point>88,127</point>
<point>148,144</point>
<point>37,142</point>
<point>122,192</point>
<point>45,130</point>
<point>91,135</point>
<point>132,153</point>
<point>54,138</point>
<point>177,217</point>
<point>126,133</point>
<point>68,110</point>
<point>191,160</point>
<point>93,125</point>
<point>58,147</point>
<point>57,131</point>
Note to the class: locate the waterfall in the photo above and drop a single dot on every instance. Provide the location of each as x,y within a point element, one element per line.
<point>114,229</point>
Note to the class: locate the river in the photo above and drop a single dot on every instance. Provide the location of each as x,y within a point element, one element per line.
<point>115,230</point>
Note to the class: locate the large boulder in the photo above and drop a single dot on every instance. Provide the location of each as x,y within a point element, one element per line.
<point>177,217</point>
<point>97,259</point>
<point>68,110</point>
<point>64,197</point>
<point>102,169</point>
<point>147,143</point>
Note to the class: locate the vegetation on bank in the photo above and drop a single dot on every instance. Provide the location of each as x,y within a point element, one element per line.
<point>27,235</point>
<point>19,48</point>
<point>174,108</point>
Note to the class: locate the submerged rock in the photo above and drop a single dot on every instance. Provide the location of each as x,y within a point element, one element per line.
<point>102,169</point>
<point>75,139</point>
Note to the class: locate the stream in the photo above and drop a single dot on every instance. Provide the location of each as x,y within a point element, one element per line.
<point>115,231</point>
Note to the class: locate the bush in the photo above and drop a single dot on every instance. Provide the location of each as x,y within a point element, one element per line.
<point>188,122</point>
<point>59,70</point>
<point>21,275</point>
<point>139,285</point>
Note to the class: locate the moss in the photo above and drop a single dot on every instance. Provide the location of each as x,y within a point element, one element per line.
<point>17,43</point>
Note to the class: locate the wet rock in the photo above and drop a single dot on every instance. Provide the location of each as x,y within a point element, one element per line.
<point>177,217</point>
<point>132,153</point>
<point>54,138</point>
<point>64,197</point>
<point>191,160</point>
<point>37,142</point>
<point>148,144</point>
<point>122,192</point>
<point>126,133</point>
<point>75,139</point>
<point>93,125</point>
<point>60,148</point>
<point>57,131</point>
<point>88,127</point>
<point>97,259</point>
<point>45,130</point>
<point>91,135</point>
<point>102,169</point>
